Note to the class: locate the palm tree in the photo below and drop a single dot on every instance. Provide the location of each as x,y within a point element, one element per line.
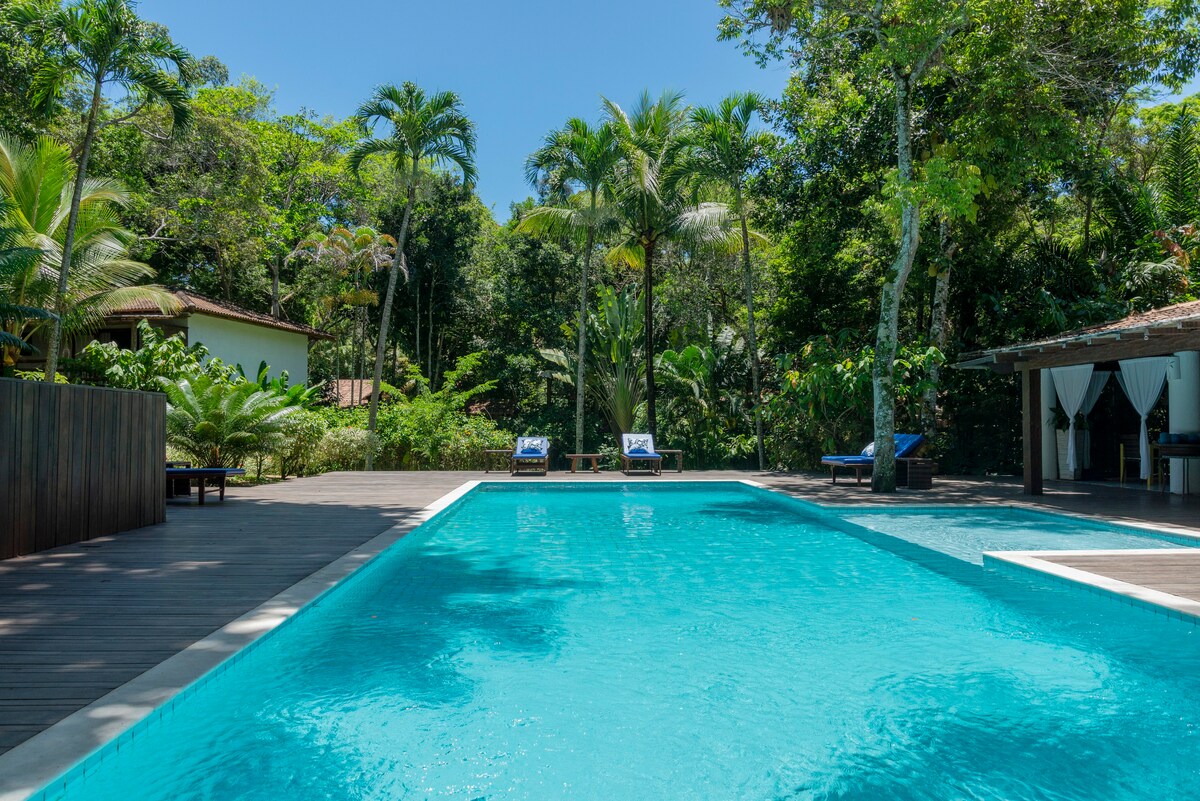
<point>425,130</point>
<point>16,261</point>
<point>725,150</point>
<point>39,181</point>
<point>99,43</point>
<point>652,201</point>
<point>358,254</point>
<point>579,157</point>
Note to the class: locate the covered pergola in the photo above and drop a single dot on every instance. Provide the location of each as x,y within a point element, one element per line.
<point>1171,334</point>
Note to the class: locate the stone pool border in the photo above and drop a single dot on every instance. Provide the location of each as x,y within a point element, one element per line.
<point>76,745</point>
<point>1157,601</point>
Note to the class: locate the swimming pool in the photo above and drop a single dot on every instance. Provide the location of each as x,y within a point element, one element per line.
<point>676,641</point>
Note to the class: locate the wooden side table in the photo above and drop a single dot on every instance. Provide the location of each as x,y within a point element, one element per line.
<point>576,458</point>
<point>920,473</point>
<point>491,456</point>
<point>678,454</point>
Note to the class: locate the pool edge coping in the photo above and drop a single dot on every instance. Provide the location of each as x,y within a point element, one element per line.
<point>34,767</point>
<point>1038,562</point>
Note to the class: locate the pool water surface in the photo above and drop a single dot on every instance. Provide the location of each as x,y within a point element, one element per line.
<point>675,641</point>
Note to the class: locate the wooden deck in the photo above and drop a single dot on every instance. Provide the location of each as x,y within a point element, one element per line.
<point>1173,572</point>
<point>79,621</point>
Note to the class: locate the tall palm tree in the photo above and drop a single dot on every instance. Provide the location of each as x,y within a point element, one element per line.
<point>39,182</point>
<point>425,130</point>
<point>652,200</point>
<point>99,43</point>
<point>579,157</point>
<point>726,150</point>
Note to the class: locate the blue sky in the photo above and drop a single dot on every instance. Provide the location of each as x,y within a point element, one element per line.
<point>521,68</point>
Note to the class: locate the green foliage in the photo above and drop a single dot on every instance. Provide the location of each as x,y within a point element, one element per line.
<point>345,447</point>
<point>221,424</point>
<point>159,357</point>
<point>300,454</point>
<point>824,403</point>
<point>614,369</point>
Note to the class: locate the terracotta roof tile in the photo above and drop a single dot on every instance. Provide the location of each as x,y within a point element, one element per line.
<point>193,303</point>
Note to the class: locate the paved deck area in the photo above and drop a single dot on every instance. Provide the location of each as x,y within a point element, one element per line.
<point>79,621</point>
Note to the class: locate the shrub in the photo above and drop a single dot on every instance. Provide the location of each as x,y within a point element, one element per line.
<point>303,433</point>
<point>345,448</point>
<point>219,424</point>
<point>160,357</point>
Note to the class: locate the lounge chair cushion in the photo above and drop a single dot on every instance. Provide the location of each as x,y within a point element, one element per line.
<point>532,448</point>
<point>906,445</point>
<point>640,446</point>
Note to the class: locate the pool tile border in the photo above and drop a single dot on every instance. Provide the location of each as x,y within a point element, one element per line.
<point>1038,562</point>
<point>75,747</point>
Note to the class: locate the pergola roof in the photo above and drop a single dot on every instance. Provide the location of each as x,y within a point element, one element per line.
<point>1154,333</point>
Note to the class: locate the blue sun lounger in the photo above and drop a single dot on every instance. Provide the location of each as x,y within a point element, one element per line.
<point>531,453</point>
<point>906,446</point>
<point>639,448</point>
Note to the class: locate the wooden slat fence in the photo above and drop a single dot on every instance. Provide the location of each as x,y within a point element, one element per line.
<point>77,462</point>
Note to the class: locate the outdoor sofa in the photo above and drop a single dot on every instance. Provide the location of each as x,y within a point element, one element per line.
<point>532,454</point>
<point>639,449</point>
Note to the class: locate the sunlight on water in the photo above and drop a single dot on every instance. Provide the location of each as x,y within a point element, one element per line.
<point>658,642</point>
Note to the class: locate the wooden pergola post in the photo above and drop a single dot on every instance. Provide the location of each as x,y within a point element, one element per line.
<point>1031,429</point>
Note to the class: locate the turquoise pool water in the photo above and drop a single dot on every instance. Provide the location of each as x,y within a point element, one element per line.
<point>967,532</point>
<point>666,641</point>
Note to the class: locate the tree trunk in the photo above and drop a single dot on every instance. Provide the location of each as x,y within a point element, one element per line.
<point>276,311</point>
<point>937,328</point>
<point>583,293</point>
<point>386,316</point>
<point>751,338</point>
<point>429,331</point>
<point>417,324</point>
<point>883,477</point>
<point>64,271</point>
<point>648,305</point>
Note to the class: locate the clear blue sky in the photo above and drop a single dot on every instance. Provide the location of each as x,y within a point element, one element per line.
<point>521,67</point>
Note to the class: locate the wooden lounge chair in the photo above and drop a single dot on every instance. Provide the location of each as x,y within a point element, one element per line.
<point>639,449</point>
<point>906,446</point>
<point>203,476</point>
<point>532,454</point>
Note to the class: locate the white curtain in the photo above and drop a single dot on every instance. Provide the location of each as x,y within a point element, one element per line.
<point>1072,385</point>
<point>1099,381</point>
<point>1142,380</point>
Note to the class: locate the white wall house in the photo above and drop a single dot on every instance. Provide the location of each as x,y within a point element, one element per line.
<point>230,333</point>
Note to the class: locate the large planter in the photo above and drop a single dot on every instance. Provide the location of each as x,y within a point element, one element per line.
<point>1083,454</point>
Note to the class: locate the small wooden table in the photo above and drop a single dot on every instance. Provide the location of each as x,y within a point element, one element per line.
<point>1185,452</point>
<point>576,458</point>
<point>919,473</point>
<point>678,454</point>
<point>492,455</point>
<point>203,475</point>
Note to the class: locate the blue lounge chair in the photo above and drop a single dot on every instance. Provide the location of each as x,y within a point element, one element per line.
<point>906,446</point>
<point>639,448</point>
<point>531,453</point>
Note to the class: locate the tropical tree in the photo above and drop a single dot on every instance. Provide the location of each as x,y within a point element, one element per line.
<point>221,424</point>
<point>356,255</point>
<point>615,370</point>
<point>652,199</point>
<point>578,157</point>
<point>726,150</point>
<point>16,261</point>
<point>425,130</point>
<point>99,43</point>
<point>40,182</point>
